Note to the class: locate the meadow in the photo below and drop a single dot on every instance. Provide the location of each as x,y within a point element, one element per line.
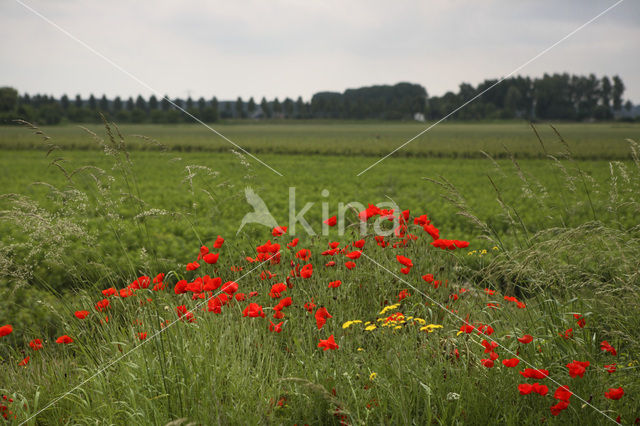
<point>551,223</point>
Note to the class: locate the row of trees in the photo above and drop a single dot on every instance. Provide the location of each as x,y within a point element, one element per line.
<point>557,96</point>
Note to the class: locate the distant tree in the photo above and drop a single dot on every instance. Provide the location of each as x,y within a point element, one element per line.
<point>277,107</point>
<point>165,103</point>
<point>215,109</point>
<point>287,105</point>
<point>141,104</point>
<point>512,101</point>
<point>104,104</point>
<point>628,105</point>
<point>153,103</point>
<point>265,108</point>
<point>93,104</point>
<point>189,102</point>
<point>240,108</point>
<point>64,102</point>
<point>8,99</point>
<point>78,102</point>
<point>251,106</point>
<point>618,90</point>
<point>201,104</point>
<point>605,92</point>
<point>130,104</point>
<point>117,104</point>
<point>299,107</point>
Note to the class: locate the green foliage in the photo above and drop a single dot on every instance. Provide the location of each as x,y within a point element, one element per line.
<point>565,231</point>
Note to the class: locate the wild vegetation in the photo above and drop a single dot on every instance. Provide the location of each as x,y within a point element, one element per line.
<point>120,249</point>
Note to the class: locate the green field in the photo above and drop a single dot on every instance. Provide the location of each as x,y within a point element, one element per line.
<point>93,213</point>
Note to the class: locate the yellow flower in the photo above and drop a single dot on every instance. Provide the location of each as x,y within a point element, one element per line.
<point>350,323</point>
<point>420,321</point>
<point>495,248</point>
<point>360,349</point>
<point>430,328</point>
<point>397,327</point>
<point>370,327</point>
<point>373,376</point>
<point>484,252</point>
<point>389,308</point>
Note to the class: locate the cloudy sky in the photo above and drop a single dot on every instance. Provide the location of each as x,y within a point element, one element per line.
<point>290,48</point>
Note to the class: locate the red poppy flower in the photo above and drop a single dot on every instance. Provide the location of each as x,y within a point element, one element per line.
<point>405,261</point>
<point>577,368</point>
<point>405,270</point>
<point>211,258</point>
<point>527,338</point>
<point>559,407</point>
<point>335,284</point>
<point>24,362</point>
<point>64,340</point>
<point>359,244</point>
<point>277,289</point>
<point>278,231</point>
<point>126,292</point>
<point>36,344</point>
<point>276,328</point>
<point>253,311</point>
<point>580,319</point>
<point>489,291</point>
<point>605,346</point>
<point>203,251</point>
<point>321,317</point>
<point>332,221</point>
<point>563,393</point>
<point>329,343</point>
<point>531,373</point>
<point>306,271</point>
<point>466,328</point>
<point>230,287</point>
<point>109,292</point>
<point>568,334</point>
<point>421,220</point>
<point>330,264</point>
<point>102,305</point>
<point>310,306</point>
<point>81,314</point>
<point>511,362</point>
<point>303,254</point>
<point>614,393</point>
<point>432,230</point>
<point>5,330</point>
<point>403,294</point>
<point>487,363</point>
<point>611,368</point>
<point>489,346</point>
<point>192,266</point>
<point>428,278</point>
<point>520,304</point>
<point>142,336</point>
<point>354,255</point>
<point>293,243</point>
<point>526,389</point>
<point>212,284</point>
<point>218,242</point>
<point>350,265</point>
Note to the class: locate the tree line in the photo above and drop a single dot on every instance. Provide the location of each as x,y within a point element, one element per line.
<point>556,96</point>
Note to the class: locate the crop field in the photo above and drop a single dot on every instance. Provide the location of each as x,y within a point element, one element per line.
<point>509,302</point>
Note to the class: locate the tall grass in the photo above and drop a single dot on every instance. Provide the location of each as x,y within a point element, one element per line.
<point>229,369</point>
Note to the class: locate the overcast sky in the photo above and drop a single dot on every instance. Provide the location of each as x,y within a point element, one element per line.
<point>290,48</point>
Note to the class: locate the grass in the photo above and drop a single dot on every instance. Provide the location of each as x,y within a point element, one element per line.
<point>588,141</point>
<point>566,242</point>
